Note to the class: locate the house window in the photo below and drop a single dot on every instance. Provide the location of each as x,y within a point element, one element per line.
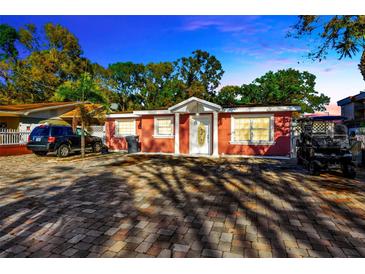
<point>125,127</point>
<point>164,127</point>
<point>252,129</point>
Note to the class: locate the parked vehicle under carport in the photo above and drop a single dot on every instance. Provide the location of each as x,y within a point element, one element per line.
<point>60,139</point>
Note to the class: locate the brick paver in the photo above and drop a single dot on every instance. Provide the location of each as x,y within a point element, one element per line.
<point>160,206</point>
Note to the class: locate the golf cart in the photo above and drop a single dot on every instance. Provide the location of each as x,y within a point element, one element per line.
<point>323,144</point>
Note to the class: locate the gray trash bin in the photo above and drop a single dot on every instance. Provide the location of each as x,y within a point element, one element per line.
<point>133,143</point>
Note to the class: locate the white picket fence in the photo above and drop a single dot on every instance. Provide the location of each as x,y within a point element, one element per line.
<point>10,136</point>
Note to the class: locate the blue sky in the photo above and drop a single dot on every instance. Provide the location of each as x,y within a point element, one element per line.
<point>247,46</point>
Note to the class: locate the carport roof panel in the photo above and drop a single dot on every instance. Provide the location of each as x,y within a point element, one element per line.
<point>27,107</point>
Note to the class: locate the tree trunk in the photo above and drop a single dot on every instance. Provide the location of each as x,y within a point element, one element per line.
<point>82,138</point>
<point>362,64</point>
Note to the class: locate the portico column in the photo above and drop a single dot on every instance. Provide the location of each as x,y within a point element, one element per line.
<point>215,134</point>
<point>177,133</point>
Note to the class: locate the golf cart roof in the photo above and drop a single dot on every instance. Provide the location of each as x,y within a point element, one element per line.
<point>324,118</point>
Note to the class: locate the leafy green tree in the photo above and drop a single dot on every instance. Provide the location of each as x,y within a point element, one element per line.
<point>28,37</point>
<point>288,86</point>
<point>8,37</point>
<point>344,34</point>
<point>156,77</point>
<point>228,95</point>
<point>173,92</point>
<point>201,68</point>
<point>8,57</point>
<point>62,39</point>
<point>49,62</point>
<point>85,89</point>
<point>126,79</point>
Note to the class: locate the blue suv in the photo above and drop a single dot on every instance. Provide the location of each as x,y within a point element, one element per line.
<point>60,139</point>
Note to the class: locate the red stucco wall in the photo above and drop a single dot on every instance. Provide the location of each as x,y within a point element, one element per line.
<point>7,150</point>
<point>184,133</point>
<point>151,144</point>
<point>281,147</point>
<point>118,143</point>
<point>145,131</point>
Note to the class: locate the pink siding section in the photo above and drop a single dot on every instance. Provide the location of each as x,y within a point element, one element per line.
<point>151,144</point>
<point>145,131</point>
<point>118,143</point>
<point>281,147</point>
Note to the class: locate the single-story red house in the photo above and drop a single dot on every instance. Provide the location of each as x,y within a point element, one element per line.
<point>199,127</point>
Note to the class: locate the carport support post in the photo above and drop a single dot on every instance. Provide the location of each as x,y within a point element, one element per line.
<point>82,138</point>
<point>215,134</point>
<point>177,131</point>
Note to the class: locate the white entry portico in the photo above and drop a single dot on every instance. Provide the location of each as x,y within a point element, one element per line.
<point>203,133</point>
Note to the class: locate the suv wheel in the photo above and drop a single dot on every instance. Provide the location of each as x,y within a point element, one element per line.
<point>63,151</point>
<point>97,147</point>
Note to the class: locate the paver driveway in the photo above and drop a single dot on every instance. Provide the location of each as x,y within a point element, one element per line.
<point>160,206</point>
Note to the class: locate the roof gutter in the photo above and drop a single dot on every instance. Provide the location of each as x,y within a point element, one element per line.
<point>263,109</point>
<point>9,113</point>
<point>26,113</point>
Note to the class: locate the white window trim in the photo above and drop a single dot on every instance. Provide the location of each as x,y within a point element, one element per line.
<point>155,135</point>
<point>116,133</point>
<point>271,142</point>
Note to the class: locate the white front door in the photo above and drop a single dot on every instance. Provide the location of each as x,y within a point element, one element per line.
<point>200,134</point>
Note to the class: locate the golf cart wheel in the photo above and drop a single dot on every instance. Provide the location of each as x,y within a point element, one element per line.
<point>97,147</point>
<point>40,153</point>
<point>348,171</point>
<point>313,169</point>
<point>63,151</point>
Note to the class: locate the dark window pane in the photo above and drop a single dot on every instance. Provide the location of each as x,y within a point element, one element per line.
<point>57,131</point>
<point>40,131</point>
<point>67,131</point>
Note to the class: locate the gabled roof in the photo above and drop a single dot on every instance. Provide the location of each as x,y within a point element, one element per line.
<point>349,99</point>
<point>192,100</point>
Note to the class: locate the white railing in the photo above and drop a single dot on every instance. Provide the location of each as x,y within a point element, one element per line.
<point>10,136</point>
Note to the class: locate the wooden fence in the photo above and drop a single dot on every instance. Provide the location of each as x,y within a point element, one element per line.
<point>13,136</point>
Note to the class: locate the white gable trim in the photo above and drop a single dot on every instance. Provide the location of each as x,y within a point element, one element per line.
<point>209,105</point>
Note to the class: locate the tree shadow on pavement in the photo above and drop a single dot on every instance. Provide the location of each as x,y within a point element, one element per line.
<point>71,222</point>
<point>139,206</point>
